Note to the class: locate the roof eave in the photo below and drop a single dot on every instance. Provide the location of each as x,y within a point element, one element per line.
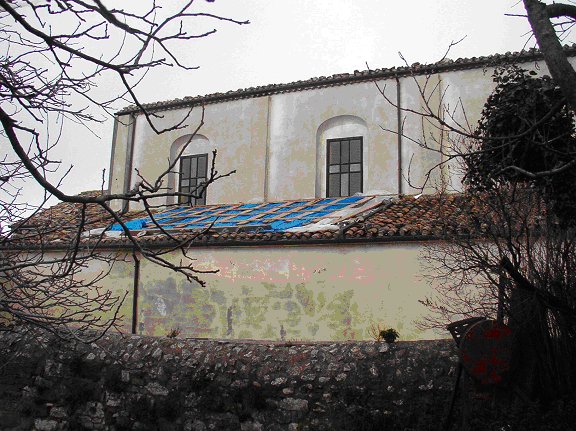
<point>345,79</point>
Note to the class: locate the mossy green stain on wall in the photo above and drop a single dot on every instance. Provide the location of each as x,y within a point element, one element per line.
<point>119,283</point>
<point>276,291</point>
<point>312,328</point>
<point>342,316</point>
<point>218,297</point>
<point>293,313</point>
<point>170,304</point>
<point>254,311</point>
<point>244,333</point>
<point>199,311</point>
<point>336,304</point>
<point>306,298</point>
<point>269,333</point>
<point>321,300</point>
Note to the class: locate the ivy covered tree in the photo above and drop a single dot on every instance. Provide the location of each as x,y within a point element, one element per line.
<point>510,252</point>
<point>550,24</point>
<point>526,135</point>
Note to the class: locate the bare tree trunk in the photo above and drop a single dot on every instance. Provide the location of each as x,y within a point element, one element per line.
<point>562,72</point>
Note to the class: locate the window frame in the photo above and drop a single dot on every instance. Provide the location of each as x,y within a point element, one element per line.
<point>340,164</point>
<point>190,200</point>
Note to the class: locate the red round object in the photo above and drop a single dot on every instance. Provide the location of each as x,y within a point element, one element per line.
<point>486,351</point>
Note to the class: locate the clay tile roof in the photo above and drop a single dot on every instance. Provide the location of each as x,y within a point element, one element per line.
<point>60,223</point>
<point>445,65</point>
<point>374,218</point>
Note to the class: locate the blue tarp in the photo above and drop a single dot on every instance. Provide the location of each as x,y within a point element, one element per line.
<point>295,214</point>
<point>132,225</point>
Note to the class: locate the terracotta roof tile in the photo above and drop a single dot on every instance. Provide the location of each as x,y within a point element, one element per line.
<point>405,218</point>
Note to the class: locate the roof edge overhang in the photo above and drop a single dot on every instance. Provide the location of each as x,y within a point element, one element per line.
<point>346,78</point>
<point>236,243</point>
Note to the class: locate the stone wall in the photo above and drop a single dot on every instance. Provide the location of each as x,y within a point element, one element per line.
<point>146,383</point>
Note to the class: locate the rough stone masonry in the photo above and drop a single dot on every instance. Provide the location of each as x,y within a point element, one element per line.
<point>147,383</point>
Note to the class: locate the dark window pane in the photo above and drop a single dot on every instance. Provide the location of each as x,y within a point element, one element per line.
<point>202,166</point>
<point>344,185</point>
<point>193,166</point>
<point>193,170</point>
<point>185,167</point>
<point>344,167</point>
<point>355,183</point>
<point>334,151</point>
<point>184,199</point>
<point>345,149</point>
<point>334,185</point>
<point>355,151</point>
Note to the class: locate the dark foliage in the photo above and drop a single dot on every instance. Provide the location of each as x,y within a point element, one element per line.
<point>524,417</point>
<point>526,135</point>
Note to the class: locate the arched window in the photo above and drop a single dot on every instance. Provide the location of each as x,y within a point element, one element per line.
<point>191,170</point>
<point>341,156</point>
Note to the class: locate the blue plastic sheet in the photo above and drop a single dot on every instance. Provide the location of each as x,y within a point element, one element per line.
<point>247,206</point>
<point>283,225</point>
<point>224,224</point>
<point>131,225</point>
<point>241,217</point>
<point>295,214</point>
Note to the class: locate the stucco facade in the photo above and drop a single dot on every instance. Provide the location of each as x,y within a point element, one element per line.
<point>308,292</point>
<point>275,138</point>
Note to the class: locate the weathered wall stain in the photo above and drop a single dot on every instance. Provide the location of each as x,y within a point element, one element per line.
<point>304,292</point>
<point>312,292</point>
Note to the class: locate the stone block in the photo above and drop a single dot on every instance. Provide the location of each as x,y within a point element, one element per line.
<point>45,425</point>
<point>293,404</point>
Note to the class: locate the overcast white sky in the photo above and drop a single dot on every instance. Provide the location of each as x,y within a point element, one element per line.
<point>289,40</point>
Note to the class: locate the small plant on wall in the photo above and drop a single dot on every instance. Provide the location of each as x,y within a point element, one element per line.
<point>389,335</point>
<point>173,333</point>
<point>374,330</point>
<point>379,332</point>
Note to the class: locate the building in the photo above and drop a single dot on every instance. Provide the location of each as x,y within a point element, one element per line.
<point>322,159</point>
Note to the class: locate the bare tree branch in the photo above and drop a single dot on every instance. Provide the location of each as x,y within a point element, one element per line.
<point>45,64</point>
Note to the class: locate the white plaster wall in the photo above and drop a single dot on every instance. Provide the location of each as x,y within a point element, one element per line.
<point>297,168</point>
<point>322,292</point>
<point>118,159</point>
<point>417,163</point>
<point>277,143</point>
<point>236,129</point>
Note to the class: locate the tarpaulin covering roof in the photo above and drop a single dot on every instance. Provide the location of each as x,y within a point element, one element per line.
<point>357,218</point>
<point>265,217</point>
